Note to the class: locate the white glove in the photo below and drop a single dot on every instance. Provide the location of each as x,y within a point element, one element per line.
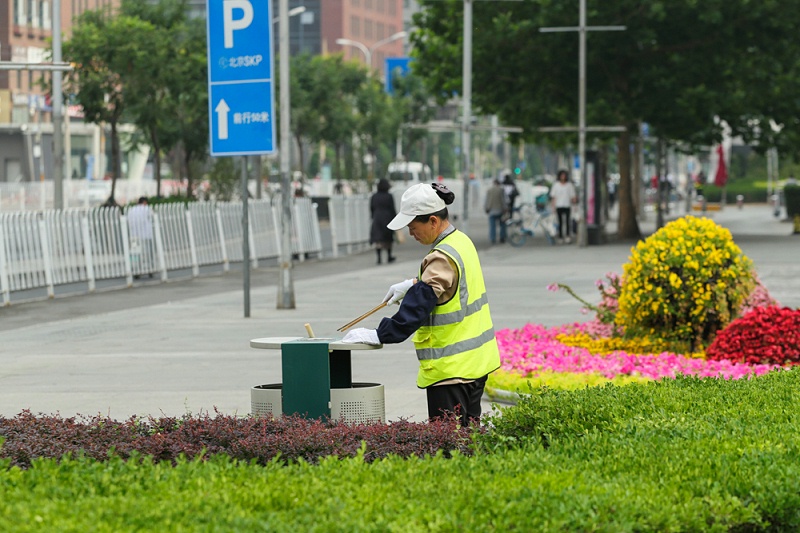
<point>362,336</point>
<point>397,291</point>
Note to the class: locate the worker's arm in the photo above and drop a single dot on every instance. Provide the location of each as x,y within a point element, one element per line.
<point>415,310</point>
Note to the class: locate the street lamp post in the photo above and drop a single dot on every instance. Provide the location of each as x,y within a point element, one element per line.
<point>368,51</point>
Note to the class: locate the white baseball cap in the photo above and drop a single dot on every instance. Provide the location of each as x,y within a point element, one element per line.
<point>419,199</point>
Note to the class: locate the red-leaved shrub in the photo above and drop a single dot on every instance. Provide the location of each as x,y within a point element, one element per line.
<point>289,438</point>
<point>764,335</point>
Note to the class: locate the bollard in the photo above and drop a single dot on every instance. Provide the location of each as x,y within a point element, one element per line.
<point>740,200</point>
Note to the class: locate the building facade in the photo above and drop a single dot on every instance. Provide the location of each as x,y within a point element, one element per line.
<point>367,22</point>
<point>26,131</point>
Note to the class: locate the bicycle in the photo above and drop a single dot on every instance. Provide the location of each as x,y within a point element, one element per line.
<point>525,221</point>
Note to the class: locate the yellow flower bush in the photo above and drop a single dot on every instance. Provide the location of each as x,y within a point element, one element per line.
<point>633,345</point>
<point>684,283</point>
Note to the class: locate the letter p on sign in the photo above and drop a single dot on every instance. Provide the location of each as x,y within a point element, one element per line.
<point>229,24</point>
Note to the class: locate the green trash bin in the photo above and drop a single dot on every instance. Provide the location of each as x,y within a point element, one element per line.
<point>317,382</point>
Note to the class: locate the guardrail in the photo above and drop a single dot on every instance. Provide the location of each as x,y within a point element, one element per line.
<point>42,250</point>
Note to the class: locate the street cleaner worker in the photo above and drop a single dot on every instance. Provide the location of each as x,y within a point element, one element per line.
<point>445,307</point>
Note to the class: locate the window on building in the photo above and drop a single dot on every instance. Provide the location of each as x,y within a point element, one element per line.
<point>380,31</point>
<point>355,26</point>
<point>46,15</point>
<point>379,5</point>
<point>392,7</point>
<point>355,3</point>
<point>368,29</point>
<point>19,12</point>
<point>392,29</point>
<point>367,4</point>
<point>32,17</point>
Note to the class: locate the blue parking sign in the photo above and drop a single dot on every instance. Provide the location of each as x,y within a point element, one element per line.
<point>240,84</point>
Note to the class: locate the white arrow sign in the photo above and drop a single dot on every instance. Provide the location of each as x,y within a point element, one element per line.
<point>222,119</point>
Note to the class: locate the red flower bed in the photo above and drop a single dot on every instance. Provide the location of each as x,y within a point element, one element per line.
<point>764,335</point>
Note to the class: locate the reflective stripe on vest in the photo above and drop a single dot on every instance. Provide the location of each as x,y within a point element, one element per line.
<point>459,339</point>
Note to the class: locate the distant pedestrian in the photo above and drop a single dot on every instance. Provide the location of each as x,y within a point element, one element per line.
<point>140,229</point>
<point>495,207</point>
<point>510,191</point>
<point>563,196</point>
<point>381,206</point>
<point>612,193</point>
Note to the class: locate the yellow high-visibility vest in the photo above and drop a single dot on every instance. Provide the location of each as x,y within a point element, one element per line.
<point>458,340</point>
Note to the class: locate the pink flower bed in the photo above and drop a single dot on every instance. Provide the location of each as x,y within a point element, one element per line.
<point>534,348</point>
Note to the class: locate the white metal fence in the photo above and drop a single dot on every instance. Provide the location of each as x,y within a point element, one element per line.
<point>350,222</point>
<point>45,249</point>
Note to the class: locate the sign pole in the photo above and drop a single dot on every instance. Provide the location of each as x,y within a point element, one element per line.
<point>241,93</point>
<point>285,287</point>
<point>245,240</point>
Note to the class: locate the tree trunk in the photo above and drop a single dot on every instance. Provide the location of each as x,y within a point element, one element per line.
<point>116,163</point>
<point>157,154</point>
<point>188,169</point>
<point>636,176</point>
<point>338,165</point>
<point>627,226</point>
<point>659,186</point>
<point>299,141</point>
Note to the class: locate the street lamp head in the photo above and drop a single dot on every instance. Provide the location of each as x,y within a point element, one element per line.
<point>297,10</point>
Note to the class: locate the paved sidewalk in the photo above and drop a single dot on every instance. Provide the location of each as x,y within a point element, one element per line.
<point>183,347</point>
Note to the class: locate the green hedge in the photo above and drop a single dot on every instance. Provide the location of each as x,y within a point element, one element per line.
<point>753,192</point>
<point>682,455</point>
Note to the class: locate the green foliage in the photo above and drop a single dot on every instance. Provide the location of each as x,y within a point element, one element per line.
<point>684,67</point>
<point>684,283</point>
<point>223,179</point>
<point>145,64</point>
<point>500,380</point>
<point>754,191</point>
<point>678,455</point>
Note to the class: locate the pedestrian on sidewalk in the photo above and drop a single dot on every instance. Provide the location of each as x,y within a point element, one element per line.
<point>445,308</point>
<point>495,206</point>
<point>511,192</point>
<point>140,230</point>
<point>563,196</point>
<point>381,206</point>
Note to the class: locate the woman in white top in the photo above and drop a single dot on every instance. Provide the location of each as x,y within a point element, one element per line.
<point>563,195</point>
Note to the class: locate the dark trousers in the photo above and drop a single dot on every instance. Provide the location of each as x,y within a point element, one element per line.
<point>564,221</point>
<point>461,398</point>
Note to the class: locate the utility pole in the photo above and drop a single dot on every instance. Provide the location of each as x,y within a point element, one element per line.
<point>466,117</point>
<point>58,117</point>
<point>582,28</point>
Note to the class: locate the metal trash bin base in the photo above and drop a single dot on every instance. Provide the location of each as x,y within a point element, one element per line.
<point>364,403</point>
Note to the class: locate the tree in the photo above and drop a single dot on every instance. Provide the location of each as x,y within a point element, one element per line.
<point>153,89</point>
<point>683,67</point>
<point>189,96</point>
<point>99,49</point>
<point>415,105</point>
